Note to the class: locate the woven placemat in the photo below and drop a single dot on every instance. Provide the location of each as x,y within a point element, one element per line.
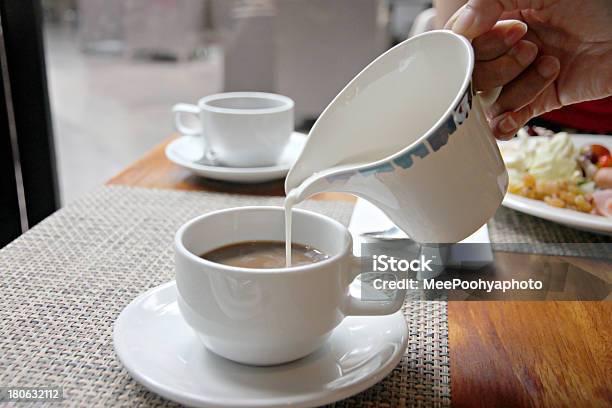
<point>513,231</point>
<point>422,378</point>
<point>66,280</point>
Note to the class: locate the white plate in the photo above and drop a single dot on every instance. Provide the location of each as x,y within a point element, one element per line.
<point>161,352</point>
<point>187,150</point>
<point>570,218</point>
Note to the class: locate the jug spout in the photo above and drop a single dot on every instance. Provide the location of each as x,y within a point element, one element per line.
<point>344,179</point>
<point>338,179</point>
<point>312,185</point>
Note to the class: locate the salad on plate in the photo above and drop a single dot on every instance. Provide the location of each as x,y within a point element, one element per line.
<point>549,167</point>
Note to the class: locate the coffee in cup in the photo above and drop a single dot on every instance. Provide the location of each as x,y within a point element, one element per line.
<point>264,254</point>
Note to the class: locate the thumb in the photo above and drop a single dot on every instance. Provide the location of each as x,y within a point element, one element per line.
<point>479,16</point>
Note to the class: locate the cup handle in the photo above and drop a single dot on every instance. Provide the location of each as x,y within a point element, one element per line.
<point>358,307</point>
<point>181,109</point>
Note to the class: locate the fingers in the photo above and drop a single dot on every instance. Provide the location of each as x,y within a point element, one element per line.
<point>507,124</point>
<point>475,18</point>
<point>479,16</point>
<point>501,71</point>
<point>527,86</point>
<point>500,55</point>
<point>498,40</point>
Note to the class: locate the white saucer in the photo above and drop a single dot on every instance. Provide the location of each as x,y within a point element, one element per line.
<point>161,352</point>
<point>187,150</point>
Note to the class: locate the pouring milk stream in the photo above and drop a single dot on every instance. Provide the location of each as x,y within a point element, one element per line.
<point>409,135</point>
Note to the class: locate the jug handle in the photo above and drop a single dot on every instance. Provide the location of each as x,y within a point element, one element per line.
<point>488,98</point>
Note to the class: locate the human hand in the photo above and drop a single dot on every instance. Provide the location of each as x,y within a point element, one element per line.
<point>574,63</point>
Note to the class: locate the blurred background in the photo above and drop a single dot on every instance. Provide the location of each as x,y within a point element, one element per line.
<point>115,67</point>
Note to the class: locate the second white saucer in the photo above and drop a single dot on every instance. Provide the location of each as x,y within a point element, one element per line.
<point>161,352</point>
<point>187,150</point>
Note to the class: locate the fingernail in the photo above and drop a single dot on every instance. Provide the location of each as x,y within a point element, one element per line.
<point>548,66</point>
<point>524,52</point>
<point>464,21</point>
<point>515,33</point>
<point>507,124</point>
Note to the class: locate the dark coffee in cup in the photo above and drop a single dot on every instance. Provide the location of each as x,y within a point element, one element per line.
<point>263,255</point>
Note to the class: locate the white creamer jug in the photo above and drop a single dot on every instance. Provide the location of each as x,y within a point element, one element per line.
<point>409,135</point>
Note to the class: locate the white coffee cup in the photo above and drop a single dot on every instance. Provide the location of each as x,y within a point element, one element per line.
<point>267,316</point>
<point>240,129</point>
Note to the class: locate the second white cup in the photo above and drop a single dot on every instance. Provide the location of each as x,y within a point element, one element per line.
<point>239,129</point>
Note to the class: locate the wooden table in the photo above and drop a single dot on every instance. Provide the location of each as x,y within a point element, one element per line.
<point>503,354</point>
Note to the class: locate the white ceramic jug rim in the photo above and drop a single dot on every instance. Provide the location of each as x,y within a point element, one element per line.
<point>448,112</point>
<point>180,247</point>
<point>286,103</point>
